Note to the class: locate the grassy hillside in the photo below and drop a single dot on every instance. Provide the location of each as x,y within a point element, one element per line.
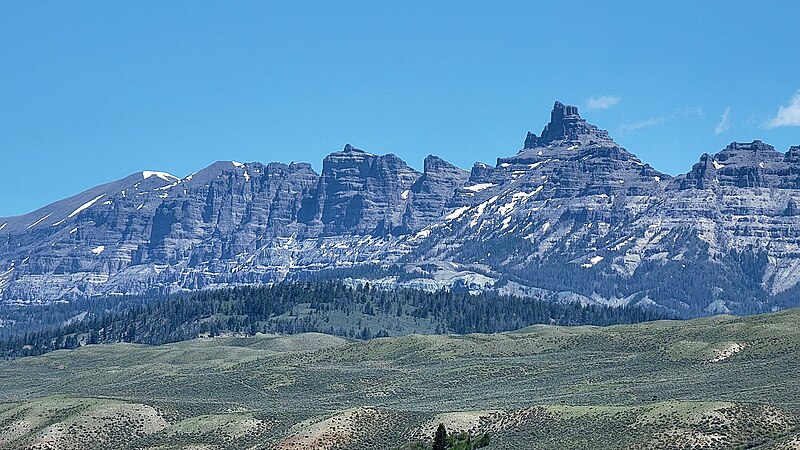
<point>721,382</point>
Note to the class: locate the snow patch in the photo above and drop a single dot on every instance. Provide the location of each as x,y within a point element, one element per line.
<point>592,261</point>
<point>163,175</point>
<point>537,164</point>
<point>423,234</point>
<point>621,244</point>
<point>478,214</point>
<point>404,194</point>
<point>525,196</point>
<point>479,187</point>
<point>3,225</point>
<point>99,249</point>
<point>505,165</point>
<point>169,186</point>
<point>480,210</point>
<point>717,165</point>
<point>516,198</point>
<point>507,208</point>
<point>457,213</point>
<point>237,164</point>
<point>39,221</point>
<point>574,147</point>
<point>85,205</point>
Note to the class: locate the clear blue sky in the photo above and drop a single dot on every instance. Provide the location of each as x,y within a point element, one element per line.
<point>93,91</point>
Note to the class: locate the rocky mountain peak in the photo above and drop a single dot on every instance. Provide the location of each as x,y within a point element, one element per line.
<point>574,158</point>
<point>434,163</point>
<point>748,150</point>
<point>744,164</point>
<point>572,212</point>
<point>566,126</point>
<point>349,148</point>
<point>430,193</point>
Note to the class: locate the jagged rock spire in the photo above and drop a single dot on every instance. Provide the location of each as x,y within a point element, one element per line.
<point>566,125</point>
<point>350,148</point>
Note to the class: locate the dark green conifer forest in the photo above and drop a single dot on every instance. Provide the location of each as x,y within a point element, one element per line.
<point>361,312</point>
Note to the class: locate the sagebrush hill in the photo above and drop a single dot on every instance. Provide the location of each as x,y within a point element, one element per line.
<point>711,383</point>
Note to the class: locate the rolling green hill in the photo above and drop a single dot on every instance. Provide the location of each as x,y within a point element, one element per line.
<point>720,382</point>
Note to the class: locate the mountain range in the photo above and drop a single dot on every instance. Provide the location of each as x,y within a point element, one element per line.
<point>572,216</point>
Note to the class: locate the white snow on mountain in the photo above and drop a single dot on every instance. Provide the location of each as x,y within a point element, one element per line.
<point>233,223</point>
<point>39,221</point>
<point>457,213</point>
<point>163,175</point>
<point>592,261</point>
<point>479,187</point>
<point>85,205</point>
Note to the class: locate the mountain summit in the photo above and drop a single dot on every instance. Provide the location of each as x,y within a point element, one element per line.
<point>571,217</point>
<point>567,127</point>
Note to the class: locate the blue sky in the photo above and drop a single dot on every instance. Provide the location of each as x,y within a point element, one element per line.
<point>93,91</point>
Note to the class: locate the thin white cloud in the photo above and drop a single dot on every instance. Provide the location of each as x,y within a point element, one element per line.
<point>601,102</point>
<point>723,124</point>
<point>789,115</point>
<point>693,111</point>
<point>626,128</point>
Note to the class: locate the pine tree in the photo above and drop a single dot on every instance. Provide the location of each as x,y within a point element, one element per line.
<point>94,337</point>
<point>440,438</point>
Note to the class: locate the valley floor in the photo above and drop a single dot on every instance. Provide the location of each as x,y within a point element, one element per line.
<point>721,382</point>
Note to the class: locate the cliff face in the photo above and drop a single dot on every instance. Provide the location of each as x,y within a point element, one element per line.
<point>572,216</point>
<point>362,193</point>
<point>428,197</point>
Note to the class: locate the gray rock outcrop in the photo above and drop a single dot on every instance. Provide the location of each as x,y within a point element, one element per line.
<point>572,215</point>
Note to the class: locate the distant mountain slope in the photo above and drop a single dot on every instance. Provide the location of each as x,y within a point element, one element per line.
<point>572,213</point>
<point>713,383</point>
